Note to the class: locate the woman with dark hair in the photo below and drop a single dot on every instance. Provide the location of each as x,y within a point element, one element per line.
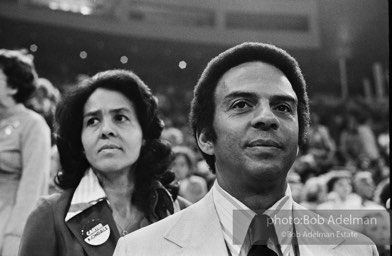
<point>191,187</point>
<point>24,148</point>
<point>114,169</point>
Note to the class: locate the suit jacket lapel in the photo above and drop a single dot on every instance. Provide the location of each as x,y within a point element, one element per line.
<point>317,245</point>
<point>102,213</point>
<point>199,228</point>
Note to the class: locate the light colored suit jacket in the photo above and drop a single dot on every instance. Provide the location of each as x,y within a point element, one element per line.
<point>197,231</point>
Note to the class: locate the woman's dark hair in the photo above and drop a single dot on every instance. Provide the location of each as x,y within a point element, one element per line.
<point>332,181</point>
<point>18,67</point>
<point>155,155</point>
<point>203,103</point>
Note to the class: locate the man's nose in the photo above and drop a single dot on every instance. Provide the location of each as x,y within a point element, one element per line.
<point>107,129</point>
<point>264,118</point>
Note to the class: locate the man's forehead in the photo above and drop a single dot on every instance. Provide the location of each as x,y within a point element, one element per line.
<point>257,73</point>
<point>249,69</point>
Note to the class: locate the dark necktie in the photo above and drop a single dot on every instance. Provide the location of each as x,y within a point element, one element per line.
<point>261,232</point>
<point>261,250</point>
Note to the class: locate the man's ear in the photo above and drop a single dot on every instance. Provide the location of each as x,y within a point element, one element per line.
<point>12,91</point>
<point>205,143</point>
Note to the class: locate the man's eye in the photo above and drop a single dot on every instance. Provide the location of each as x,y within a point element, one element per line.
<point>240,105</point>
<point>284,108</point>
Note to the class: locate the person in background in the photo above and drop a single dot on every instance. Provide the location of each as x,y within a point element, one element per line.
<point>350,143</point>
<point>296,186</point>
<point>314,193</point>
<point>115,169</point>
<point>340,192</point>
<point>191,187</point>
<point>367,137</point>
<point>364,187</point>
<point>173,135</point>
<point>44,101</point>
<point>320,144</point>
<point>24,148</point>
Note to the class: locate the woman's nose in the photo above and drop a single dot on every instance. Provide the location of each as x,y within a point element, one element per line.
<point>107,129</point>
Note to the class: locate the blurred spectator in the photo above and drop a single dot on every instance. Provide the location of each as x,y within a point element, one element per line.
<point>340,194</point>
<point>204,171</point>
<point>367,137</point>
<point>383,142</point>
<point>192,187</point>
<point>382,192</point>
<point>350,142</point>
<point>44,101</point>
<point>306,166</point>
<point>314,193</point>
<point>320,144</point>
<point>294,181</point>
<point>364,187</point>
<point>24,148</point>
<point>173,135</point>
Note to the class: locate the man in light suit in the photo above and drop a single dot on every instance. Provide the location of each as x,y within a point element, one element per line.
<point>249,116</point>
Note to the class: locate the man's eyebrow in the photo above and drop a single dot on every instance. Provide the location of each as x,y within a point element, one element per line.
<point>284,98</point>
<point>234,95</point>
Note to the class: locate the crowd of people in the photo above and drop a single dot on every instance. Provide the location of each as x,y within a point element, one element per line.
<point>53,143</point>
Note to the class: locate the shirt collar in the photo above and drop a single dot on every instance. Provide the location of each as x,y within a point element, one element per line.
<point>235,232</point>
<point>88,193</point>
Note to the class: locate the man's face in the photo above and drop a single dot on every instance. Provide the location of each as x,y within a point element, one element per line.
<point>256,124</point>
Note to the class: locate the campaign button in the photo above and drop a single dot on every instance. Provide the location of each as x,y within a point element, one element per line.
<point>96,232</point>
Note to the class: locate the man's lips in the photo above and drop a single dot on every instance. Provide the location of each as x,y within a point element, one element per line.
<point>108,146</point>
<point>264,143</point>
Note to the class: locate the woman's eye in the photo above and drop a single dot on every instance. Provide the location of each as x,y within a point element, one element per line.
<point>240,105</point>
<point>121,118</point>
<point>92,121</point>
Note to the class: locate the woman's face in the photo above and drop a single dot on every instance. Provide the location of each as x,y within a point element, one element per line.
<point>342,187</point>
<point>181,167</point>
<point>111,133</point>
<point>6,92</point>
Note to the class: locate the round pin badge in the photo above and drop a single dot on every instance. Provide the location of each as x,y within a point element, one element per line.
<point>95,232</point>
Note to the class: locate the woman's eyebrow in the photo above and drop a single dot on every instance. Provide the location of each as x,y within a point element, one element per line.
<point>91,113</point>
<point>119,110</point>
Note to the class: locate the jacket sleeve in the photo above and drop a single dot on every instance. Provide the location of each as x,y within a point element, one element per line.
<point>39,236</point>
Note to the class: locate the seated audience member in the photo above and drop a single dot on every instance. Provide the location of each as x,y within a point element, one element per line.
<point>350,146</point>
<point>294,181</point>
<point>320,144</point>
<point>340,196</point>
<point>173,135</point>
<point>115,169</point>
<point>191,187</point>
<point>364,187</point>
<point>24,148</point>
<point>314,193</point>
<point>382,192</point>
